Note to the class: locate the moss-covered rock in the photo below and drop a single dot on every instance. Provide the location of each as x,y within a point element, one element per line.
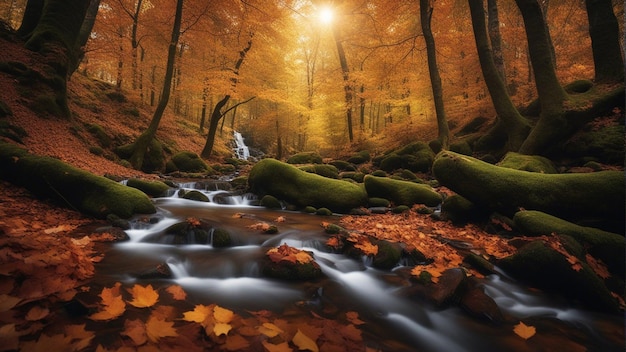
<point>220,237</point>
<point>416,157</point>
<point>352,175</point>
<point>288,263</point>
<point>286,182</point>
<point>194,195</point>
<point>151,188</point>
<point>607,246</point>
<point>187,161</point>
<point>75,188</point>
<point>97,131</point>
<point>378,202</point>
<point>461,147</point>
<point>154,159</point>
<point>360,157</point>
<point>270,202</point>
<point>305,158</point>
<point>605,144</point>
<point>597,197</point>
<point>324,212</point>
<point>540,265</point>
<point>532,163</point>
<point>342,165</point>
<point>325,170</point>
<point>401,192</point>
<point>458,209</point>
<point>388,255</point>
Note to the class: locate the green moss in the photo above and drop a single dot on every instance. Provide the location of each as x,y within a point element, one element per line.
<point>541,266</point>
<point>286,182</point>
<point>352,175</point>
<point>458,209</point>
<point>379,173</point>
<point>186,161</point>
<point>270,202</point>
<point>323,211</point>
<point>595,196</point>
<point>607,246</point>
<point>388,255</point>
<point>605,144</point>
<point>97,131</point>
<point>15,133</point>
<point>151,188</point>
<point>462,148</point>
<point>325,170</point>
<point>400,209</point>
<point>532,163</point>
<point>305,158</point>
<point>309,209</point>
<point>195,195</point>
<point>220,238</point>
<point>359,158</point>
<point>342,165</point>
<point>378,202</point>
<point>95,150</point>
<point>401,192</point>
<point>77,189</point>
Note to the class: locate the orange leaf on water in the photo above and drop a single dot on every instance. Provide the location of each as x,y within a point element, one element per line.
<point>136,331</point>
<point>236,343</point>
<point>304,342</point>
<point>113,303</point>
<point>177,292</point>
<point>143,297</point>
<point>524,331</point>
<point>157,328</point>
<point>270,330</point>
<point>198,314</point>
<point>37,313</point>
<point>223,315</point>
<point>221,329</point>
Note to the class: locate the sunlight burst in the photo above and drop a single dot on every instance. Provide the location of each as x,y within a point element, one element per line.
<point>326,15</point>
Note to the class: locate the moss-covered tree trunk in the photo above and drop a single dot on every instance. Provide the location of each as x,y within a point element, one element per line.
<point>84,33</point>
<point>51,28</point>
<point>511,127</point>
<point>605,41</point>
<point>145,139</point>
<point>426,12</point>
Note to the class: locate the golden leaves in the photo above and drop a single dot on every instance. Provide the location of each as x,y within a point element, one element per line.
<point>304,343</point>
<point>143,297</point>
<point>113,304</point>
<point>157,328</point>
<point>177,292</point>
<point>524,331</point>
<point>289,254</point>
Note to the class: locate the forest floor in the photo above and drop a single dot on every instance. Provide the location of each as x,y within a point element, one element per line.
<point>48,254</point>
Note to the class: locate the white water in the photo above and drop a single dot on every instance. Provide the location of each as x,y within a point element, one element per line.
<point>241,150</point>
<point>231,277</point>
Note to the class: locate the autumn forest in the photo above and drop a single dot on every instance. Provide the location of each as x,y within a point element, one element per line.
<point>312,175</point>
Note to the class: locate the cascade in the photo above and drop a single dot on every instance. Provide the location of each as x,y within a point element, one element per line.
<point>241,149</point>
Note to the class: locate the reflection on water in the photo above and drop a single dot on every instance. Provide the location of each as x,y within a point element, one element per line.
<point>231,277</point>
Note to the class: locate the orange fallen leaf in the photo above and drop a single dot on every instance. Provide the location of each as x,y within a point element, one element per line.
<point>9,338</point>
<point>157,328</point>
<point>221,329</point>
<point>281,347</point>
<point>236,343</point>
<point>524,331</point>
<point>270,330</point>
<point>198,314</point>
<point>304,342</point>
<point>7,302</point>
<point>113,303</point>
<point>143,297</point>
<point>80,337</point>
<point>37,313</point>
<point>353,317</point>
<point>136,331</point>
<point>223,315</point>
<point>177,292</point>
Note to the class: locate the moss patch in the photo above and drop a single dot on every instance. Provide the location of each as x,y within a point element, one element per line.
<point>151,188</point>
<point>532,163</point>
<point>401,192</point>
<point>186,161</point>
<point>286,182</point>
<point>305,158</point>
<point>75,188</point>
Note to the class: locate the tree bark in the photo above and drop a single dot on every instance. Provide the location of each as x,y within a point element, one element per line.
<point>426,12</point>
<point>145,139</point>
<point>217,114</point>
<point>495,37</point>
<point>32,14</point>
<point>605,41</point>
<point>511,128</point>
<point>347,86</point>
<point>85,32</point>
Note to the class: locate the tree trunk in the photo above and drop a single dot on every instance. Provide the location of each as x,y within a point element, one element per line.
<point>32,14</point>
<point>85,33</point>
<point>217,111</point>
<point>54,35</point>
<point>347,86</point>
<point>605,41</point>
<point>145,139</point>
<point>426,12</point>
<point>511,128</point>
<point>495,37</point>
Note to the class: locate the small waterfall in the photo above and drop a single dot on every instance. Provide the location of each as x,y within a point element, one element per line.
<point>241,149</point>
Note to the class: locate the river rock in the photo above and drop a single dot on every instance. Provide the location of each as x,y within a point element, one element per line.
<point>161,271</point>
<point>479,305</point>
<point>194,195</point>
<point>117,233</point>
<point>288,183</point>
<point>151,188</point>
<point>289,263</point>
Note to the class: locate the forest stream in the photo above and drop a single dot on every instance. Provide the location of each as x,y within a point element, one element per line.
<point>389,320</point>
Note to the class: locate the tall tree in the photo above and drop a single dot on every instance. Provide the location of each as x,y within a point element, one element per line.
<point>145,140</point>
<point>347,84</point>
<point>605,41</point>
<point>511,128</point>
<point>426,12</point>
<point>217,113</point>
<point>52,28</point>
<point>85,32</point>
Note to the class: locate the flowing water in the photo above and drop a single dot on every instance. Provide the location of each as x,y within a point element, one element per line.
<point>231,278</point>
<point>241,149</point>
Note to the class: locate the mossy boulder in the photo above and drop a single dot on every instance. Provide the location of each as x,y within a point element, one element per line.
<point>416,157</point>
<point>342,165</point>
<point>541,266</point>
<point>289,263</point>
<point>305,158</point>
<point>607,246</point>
<point>72,187</point>
<point>458,209</point>
<point>288,183</point>
<point>596,197</point>
<point>100,134</point>
<point>352,175</point>
<point>532,163</point>
<point>194,195</point>
<point>388,255</point>
<point>151,188</point>
<point>187,161</point>
<point>154,158</point>
<point>270,202</point>
<point>605,144</point>
<point>378,202</point>
<point>325,170</point>
<point>401,192</point>
<point>360,157</point>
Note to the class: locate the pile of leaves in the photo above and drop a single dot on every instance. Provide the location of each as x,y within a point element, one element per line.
<point>285,253</point>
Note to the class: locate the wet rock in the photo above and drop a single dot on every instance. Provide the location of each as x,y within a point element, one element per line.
<point>388,255</point>
<point>161,271</point>
<point>116,221</point>
<point>270,202</point>
<point>479,305</point>
<point>449,289</point>
<point>118,234</point>
<point>289,263</point>
<point>195,195</point>
<point>151,188</point>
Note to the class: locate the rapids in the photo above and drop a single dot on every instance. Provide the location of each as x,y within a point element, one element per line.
<point>231,278</point>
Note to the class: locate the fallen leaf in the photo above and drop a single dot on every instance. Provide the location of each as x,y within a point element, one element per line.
<point>157,328</point>
<point>136,331</point>
<point>177,292</point>
<point>304,342</point>
<point>223,315</point>
<point>353,317</point>
<point>282,347</point>
<point>221,329</point>
<point>37,313</point>
<point>524,331</point>
<point>270,330</point>
<point>236,343</point>
<point>198,314</point>
<point>113,303</point>
<point>81,338</point>
<point>143,297</point>
<point>7,302</point>
<point>46,343</point>
<point>9,338</point>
